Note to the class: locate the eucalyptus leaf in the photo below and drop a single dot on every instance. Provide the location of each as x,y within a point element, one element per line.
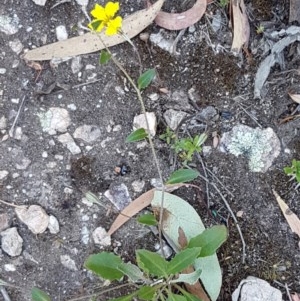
<point>174,297</point>
<point>39,295</point>
<point>182,260</point>
<point>137,135</point>
<point>147,292</point>
<point>147,219</point>
<point>104,57</point>
<point>105,265</point>
<point>190,278</point>
<point>181,217</point>
<point>209,240</point>
<point>146,78</point>
<point>131,271</point>
<point>152,263</point>
<point>182,176</point>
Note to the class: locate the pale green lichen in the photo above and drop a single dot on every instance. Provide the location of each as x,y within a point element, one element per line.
<point>252,144</point>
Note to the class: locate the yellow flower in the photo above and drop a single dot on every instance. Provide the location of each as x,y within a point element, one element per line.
<point>104,17</point>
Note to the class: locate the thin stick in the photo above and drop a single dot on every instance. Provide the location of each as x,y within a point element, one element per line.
<point>288,292</point>
<point>4,293</point>
<point>12,205</point>
<point>206,183</point>
<point>12,129</point>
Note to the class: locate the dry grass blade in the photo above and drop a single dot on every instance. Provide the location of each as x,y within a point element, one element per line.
<point>291,217</point>
<point>90,42</point>
<point>241,28</point>
<point>173,21</point>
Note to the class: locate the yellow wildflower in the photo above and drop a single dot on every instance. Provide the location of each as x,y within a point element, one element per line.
<point>104,17</point>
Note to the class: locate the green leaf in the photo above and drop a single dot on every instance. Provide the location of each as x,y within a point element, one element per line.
<point>146,78</point>
<point>137,135</point>
<point>182,260</point>
<point>209,240</point>
<point>39,295</point>
<point>131,271</point>
<point>125,298</point>
<point>288,170</point>
<point>190,278</point>
<point>147,292</point>
<point>183,175</point>
<point>105,265</point>
<point>152,263</point>
<point>174,297</point>
<point>95,24</point>
<point>190,297</point>
<point>104,57</point>
<point>147,219</point>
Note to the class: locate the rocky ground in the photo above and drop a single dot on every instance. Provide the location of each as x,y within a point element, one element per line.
<point>63,130</point>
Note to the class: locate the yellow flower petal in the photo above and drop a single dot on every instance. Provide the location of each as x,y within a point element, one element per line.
<point>113,26</point>
<point>111,8</point>
<point>96,25</point>
<point>99,12</point>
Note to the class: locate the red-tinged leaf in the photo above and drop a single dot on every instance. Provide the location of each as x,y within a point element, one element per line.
<point>175,21</point>
<point>295,297</point>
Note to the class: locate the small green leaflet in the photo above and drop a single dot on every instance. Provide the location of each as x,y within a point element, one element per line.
<point>147,219</point>
<point>209,240</point>
<point>95,24</point>
<point>152,263</point>
<point>174,297</point>
<point>105,265</point>
<point>146,78</point>
<point>125,298</point>
<point>147,292</point>
<point>104,57</point>
<point>190,297</point>
<point>191,278</point>
<point>137,135</point>
<point>182,176</point>
<point>131,271</point>
<point>39,295</point>
<point>182,260</point>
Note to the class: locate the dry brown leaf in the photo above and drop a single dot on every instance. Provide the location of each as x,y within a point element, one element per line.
<point>291,217</point>
<point>295,97</point>
<point>241,28</point>
<point>90,42</point>
<point>183,20</point>
<point>295,297</point>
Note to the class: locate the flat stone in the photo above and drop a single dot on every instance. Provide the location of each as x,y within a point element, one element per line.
<point>87,133</point>
<point>55,120</point>
<point>68,141</point>
<point>11,242</point>
<point>53,225</point>
<point>68,262</point>
<point>118,195</point>
<point>101,237</point>
<point>173,118</point>
<point>139,121</point>
<point>259,146</point>
<point>34,217</point>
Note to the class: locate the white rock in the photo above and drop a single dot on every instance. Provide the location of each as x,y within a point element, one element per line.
<point>3,174</point>
<point>55,120</point>
<point>3,123</point>
<point>67,140</point>
<point>159,40</point>
<point>23,163</point>
<point>61,33</point>
<point>16,46</point>
<point>11,242</point>
<point>118,194</point>
<point>18,133</point>
<point>138,186</point>
<point>68,262</point>
<point>139,121</point>
<point>2,71</point>
<point>82,2</point>
<point>53,225</point>
<point>34,217</point>
<point>85,235</point>
<point>40,2</point>
<point>76,64</point>
<point>9,25</point>
<point>87,133</point>
<point>101,237</point>
<point>173,118</point>
<point>9,267</point>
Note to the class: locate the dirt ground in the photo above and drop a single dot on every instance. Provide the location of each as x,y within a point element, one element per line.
<point>43,171</point>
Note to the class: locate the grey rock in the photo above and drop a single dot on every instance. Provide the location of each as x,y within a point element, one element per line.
<point>61,33</point>
<point>40,2</point>
<point>9,267</point>
<point>118,195</point>
<point>85,235</point>
<point>87,133</point>
<point>34,217</point>
<point>76,64</point>
<point>259,146</point>
<point>23,163</point>
<point>67,140</point>
<point>173,118</point>
<point>3,123</point>
<point>3,174</point>
<point>139,121</point>
<point>101,237</point>
<point>53,225</point>
<point>9,25</point>
<point>207,113</point>
<point>55,120</point>
<point>11,242</point>
<point>16,46</point>
<point>2,71</point>
<point>68,262</point>
<point>138,186</point>
<point>4,221</point>
<point>161,41</point>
